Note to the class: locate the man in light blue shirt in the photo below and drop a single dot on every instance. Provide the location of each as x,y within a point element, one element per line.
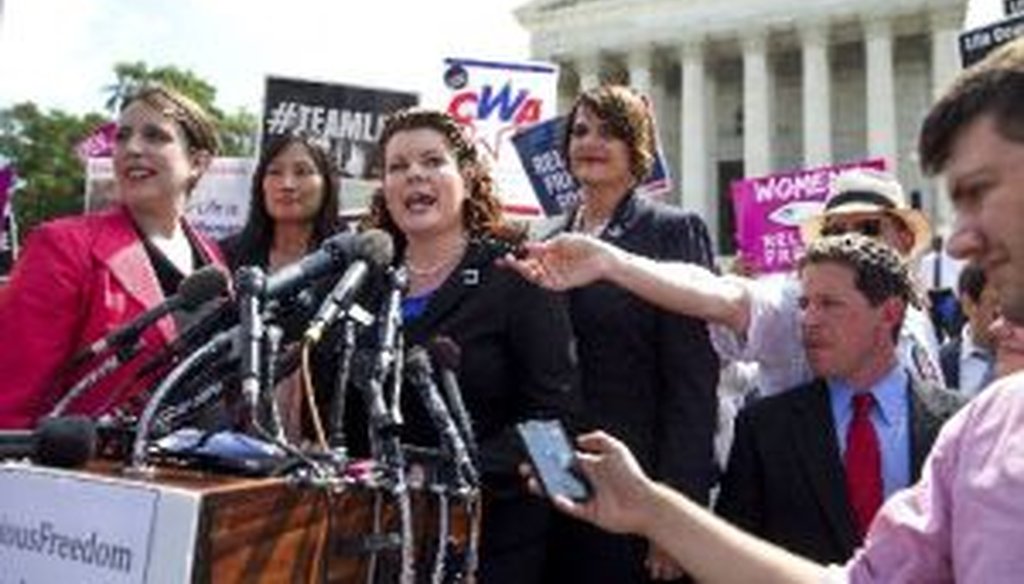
<point>968,360</point>
<point>810,466</point>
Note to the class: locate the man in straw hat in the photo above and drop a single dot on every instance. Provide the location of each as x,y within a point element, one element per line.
<point>755,320</point>
<point>964,520</point>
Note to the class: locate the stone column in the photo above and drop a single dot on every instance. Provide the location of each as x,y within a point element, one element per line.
<point>816,85</point>
<point>881,98</point>
<point>639,62</point>
<point>693,190</point>
<point>757,159</point>
<point>588,69</point>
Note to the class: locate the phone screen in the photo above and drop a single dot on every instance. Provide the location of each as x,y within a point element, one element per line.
<point>553,459</point>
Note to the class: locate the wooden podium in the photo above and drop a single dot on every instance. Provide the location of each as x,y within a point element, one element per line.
<point>190,526</point>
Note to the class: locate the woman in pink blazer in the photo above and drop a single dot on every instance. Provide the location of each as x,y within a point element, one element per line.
<point>80,278</point>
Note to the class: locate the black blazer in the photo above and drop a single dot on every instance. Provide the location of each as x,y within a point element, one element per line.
<point>649,376</point>
<point>949,360</point>
<point>518,361</point>
<point>785,478</point>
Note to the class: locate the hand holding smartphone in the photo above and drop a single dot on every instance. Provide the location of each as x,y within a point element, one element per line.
<point>553,459</point>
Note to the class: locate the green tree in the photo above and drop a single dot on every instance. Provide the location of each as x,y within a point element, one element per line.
<point>238,130</point>
<point>41,147</point>
<point>41,144</point>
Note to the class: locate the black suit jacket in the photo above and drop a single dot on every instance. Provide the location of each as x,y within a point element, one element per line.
<point>785,478</point>
<point>949,360</point>
<point>649,377</point>
<point>518,361</point>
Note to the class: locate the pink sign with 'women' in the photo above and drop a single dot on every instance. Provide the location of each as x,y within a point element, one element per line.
<point>770,209</point>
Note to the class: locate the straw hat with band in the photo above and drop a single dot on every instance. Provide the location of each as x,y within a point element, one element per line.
<point>869,191</point>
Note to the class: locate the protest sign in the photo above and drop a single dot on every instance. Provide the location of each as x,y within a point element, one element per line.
<point>98,144</point>
<point>977,42</point>
<point>217,207</point>
<point>8,237</point>
<point>539,148</point>
<point>493,100</point>
<point>770,209</point>
<point>345,119</point>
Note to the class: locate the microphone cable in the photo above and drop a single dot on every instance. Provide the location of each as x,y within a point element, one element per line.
<point>307,390</point>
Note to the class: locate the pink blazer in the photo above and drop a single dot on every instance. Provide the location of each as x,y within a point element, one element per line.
<point>77,280</point>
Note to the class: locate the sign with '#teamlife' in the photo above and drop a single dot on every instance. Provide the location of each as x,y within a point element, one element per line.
<point>346,120</point>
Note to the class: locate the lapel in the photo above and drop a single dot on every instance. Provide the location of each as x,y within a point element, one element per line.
<point>118,247</point>
<point>815,441</point>
<point>562,224</point>
<point>924,426</point>
<point>623,218</point>
<point>464,279</point>
<point>625,215</point>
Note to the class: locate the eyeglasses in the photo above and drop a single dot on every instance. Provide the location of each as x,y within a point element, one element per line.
<point>868,227</point>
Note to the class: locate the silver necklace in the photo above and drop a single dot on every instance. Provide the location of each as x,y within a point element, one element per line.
<point>437,266</point>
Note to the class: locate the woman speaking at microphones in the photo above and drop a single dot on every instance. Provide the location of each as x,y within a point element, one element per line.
<point>81,278</point>
<point>517,361</point>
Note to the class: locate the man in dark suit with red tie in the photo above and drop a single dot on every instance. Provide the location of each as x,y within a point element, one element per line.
<point>810,467</point>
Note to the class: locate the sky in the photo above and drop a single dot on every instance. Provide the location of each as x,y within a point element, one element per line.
<point>61,53</point>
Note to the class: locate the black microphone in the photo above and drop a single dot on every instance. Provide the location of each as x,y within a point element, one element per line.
<point>66,442</point>
<point>334,252</point>
<point>447,354</point>
<point>202,285</point>
<point>221,318</point>
<point>373,251</point>
<point>420,374</point>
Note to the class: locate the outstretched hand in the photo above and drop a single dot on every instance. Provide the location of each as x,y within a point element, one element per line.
<point>568,260</point>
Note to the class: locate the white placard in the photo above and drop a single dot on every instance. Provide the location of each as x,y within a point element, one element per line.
<point>65,528</point>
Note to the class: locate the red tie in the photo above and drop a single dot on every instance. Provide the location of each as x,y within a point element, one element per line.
<point>863,464</point>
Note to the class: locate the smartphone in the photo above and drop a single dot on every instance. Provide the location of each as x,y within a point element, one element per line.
<point>553,459</point>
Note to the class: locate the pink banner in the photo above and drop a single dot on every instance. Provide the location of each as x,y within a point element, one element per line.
<point>770,209</point>
<point>7,177</point>
<point>99,144</point>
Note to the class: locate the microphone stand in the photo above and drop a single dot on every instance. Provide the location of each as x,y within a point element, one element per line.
<point>270,411</point>
<point>119,357</point>
<point>208,351</point>
<point>344,350</point>
<point>250,284</point>
<point>384,422</point>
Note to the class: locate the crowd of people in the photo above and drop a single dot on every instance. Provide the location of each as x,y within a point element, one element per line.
<point>863,445</point>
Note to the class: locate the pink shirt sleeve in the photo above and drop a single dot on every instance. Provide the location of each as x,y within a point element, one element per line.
<point>964,520</point>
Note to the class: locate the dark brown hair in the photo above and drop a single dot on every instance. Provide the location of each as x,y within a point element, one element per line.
<point>482,215</point>
<point>628,116</point>
<point>197,125</point>
<point>878,271</point>
<point>995,87</point>
<point>257,236</point>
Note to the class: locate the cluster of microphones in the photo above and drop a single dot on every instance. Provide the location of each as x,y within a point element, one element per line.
<point>233,322</point>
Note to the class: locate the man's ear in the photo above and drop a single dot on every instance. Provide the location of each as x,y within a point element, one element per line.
<point>906,237</point>
<point>893,310</point>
